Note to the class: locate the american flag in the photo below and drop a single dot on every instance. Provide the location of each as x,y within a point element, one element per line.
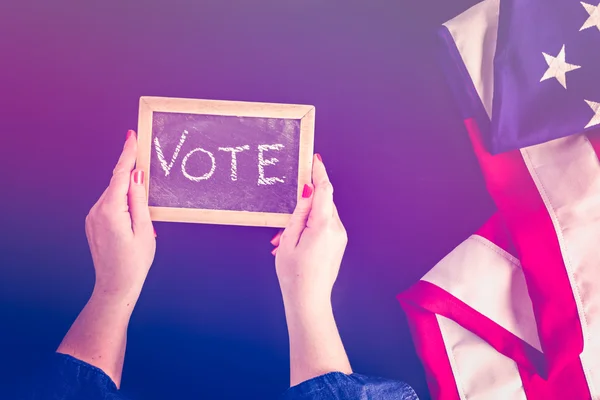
<point>540,76</point>
<point>514,311</point>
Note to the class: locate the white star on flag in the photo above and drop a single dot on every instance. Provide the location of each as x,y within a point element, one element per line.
<point>558,67</point>
<point>594,19</point>
<point>596,119</point>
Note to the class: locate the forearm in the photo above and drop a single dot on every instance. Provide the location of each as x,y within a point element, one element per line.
<point>99,334</point>
<point>315,344</point>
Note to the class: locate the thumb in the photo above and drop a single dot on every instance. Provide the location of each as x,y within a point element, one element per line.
<point>291,235</point>
<point>138,204</point>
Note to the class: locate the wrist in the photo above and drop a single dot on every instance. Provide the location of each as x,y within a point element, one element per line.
<point>125,299</point>
<point>308,307</point>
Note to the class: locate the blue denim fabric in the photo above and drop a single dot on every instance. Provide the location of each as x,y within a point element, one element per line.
<point>338,386</point>
<point>66,378</point>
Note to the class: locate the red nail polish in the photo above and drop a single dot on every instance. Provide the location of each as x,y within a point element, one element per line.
<point>129,133</point>
<point>138,177</point>
<point>155,235</point>
<point>307,191</point>
<point>319,157</point>
<point>274,237</point>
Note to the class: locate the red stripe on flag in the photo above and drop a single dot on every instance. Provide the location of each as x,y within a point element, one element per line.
<point>430,347</point>
<point>516,196</point>
<point>594,138</point>
<point>438,301</point>
<point>495,231</point>
<point>569,383</point>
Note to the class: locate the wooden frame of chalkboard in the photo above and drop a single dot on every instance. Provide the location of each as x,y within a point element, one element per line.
<point>305,114</point>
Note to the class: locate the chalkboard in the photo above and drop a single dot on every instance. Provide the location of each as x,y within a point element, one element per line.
<point>224,162</point>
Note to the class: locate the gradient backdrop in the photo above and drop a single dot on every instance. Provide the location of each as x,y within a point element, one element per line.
<point>210,322</point>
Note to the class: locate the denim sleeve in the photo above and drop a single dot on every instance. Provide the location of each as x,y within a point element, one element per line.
<point>338,386</point>
<point>64,377</point>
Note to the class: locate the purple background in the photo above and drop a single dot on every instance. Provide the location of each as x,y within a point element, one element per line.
<point>210,322</point>
<point>219,191</point>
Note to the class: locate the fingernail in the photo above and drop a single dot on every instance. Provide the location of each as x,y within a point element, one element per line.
<point>274,251</point>
<point>154,229</point>
<point>274,237</point>
<point>129,133</point>
<point>319,157</point>
<point>307,191</point>
<point>138,177</point>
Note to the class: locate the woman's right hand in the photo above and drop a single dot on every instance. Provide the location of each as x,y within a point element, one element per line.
<point>308,255</point>
<point>122,242</point>
<point>120,231</point>
<point>309,251</point>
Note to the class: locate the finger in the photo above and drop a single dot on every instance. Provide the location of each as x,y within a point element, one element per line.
<point>276,238</point>
<point>322,208</point>
<point>119,184</point>
<point>297,223</point>
<point>274,251</point>
<point>138,205</point>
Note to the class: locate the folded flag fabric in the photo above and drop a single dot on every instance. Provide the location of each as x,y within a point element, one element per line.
<point>541,79</point>
<point>549,196</point>
<point>548,199</point>
<point>471,319</point>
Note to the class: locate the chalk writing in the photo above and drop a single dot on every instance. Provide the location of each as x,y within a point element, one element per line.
<point>202,177</point>
<point>262,180</point>
<point>224,162</point>
<point>234,158</point>
<point>161,157</point>
<point>262,162</point>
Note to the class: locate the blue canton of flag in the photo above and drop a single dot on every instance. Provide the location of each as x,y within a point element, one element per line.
<point>546,73</point>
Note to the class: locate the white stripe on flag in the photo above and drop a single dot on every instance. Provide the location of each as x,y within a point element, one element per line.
<point>489,280</point>
<point>566,172</point>
<point>481,372</point>
<point>475,32</point>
